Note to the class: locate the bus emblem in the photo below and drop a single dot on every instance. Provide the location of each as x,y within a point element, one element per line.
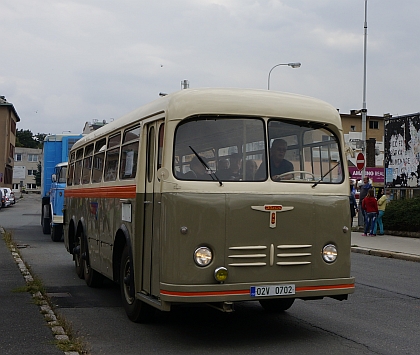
<point>273,209</point>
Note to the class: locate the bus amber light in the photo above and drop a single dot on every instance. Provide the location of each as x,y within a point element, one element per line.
<point>203,256</point>
<point>221,274</point>
<point>329,253</point>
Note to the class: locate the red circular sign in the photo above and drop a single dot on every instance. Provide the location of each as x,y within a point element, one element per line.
<point>360,161</point>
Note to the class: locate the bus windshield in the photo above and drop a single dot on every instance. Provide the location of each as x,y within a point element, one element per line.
<point>256,149</point>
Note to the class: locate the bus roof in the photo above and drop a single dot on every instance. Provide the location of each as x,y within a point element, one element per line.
<point>224,101</point>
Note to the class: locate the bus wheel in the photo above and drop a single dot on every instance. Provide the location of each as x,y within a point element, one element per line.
<point>137,311</point>
<point>77,256</point>
<point>46,226</point>
<point>277,305</point>
<point>56,232</point>
<point>92,277</point>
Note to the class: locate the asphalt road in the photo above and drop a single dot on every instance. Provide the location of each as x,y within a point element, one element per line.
<point>381,317</point>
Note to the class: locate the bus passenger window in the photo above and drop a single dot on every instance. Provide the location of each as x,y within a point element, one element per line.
<point>111,165</point>
<point>70,175</point>
<point>128,164</point>
<point>98,160</point>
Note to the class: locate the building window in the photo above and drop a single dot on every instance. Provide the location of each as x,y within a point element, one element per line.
<point>31,172</point>
<point>18,157</point>
<point>374,124</point>
<point>31,186</point>
<point>352,128</point>
<point>33,157</point>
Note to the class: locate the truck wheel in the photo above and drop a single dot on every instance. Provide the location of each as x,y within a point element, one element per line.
<point>46,223</point>
<point>136,310</point>
<point>56,232</point>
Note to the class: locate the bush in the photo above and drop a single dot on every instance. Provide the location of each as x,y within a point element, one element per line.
<point>403,215</point>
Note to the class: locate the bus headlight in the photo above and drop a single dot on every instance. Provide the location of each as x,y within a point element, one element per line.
<point>329,253</point>
<point>203,256</point>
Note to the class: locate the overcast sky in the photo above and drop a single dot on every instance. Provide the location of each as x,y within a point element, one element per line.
<point>64,63</point>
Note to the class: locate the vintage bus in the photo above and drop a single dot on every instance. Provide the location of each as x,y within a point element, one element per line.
<point>178,202</point>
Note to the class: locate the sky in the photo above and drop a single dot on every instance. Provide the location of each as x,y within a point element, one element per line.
<point>67,62</point>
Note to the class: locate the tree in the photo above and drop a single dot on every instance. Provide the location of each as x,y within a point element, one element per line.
<point>26,139</point>
<point>38,174</point>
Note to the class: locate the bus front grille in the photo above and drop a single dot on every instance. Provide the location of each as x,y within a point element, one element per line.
<point>261,255</point>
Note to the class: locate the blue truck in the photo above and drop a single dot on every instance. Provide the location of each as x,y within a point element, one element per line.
<point>53,181</point>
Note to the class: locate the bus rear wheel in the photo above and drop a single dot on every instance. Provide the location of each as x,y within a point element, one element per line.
<point>277,305</point>
<point>91,276</point>
<point>137,311</point>
<point>78,258</point>
<point>56,232</point>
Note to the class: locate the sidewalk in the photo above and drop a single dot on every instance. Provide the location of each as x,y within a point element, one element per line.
<point>22,326</point>
<point>387,246</point>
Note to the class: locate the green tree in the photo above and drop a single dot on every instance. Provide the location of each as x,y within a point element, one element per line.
<point>26,139</point>
<point>38,174</point>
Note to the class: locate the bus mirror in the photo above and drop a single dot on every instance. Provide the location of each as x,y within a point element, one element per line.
<point>162,174</point>
<point>54,178</point>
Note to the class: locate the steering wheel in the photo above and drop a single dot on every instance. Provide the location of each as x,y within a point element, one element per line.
<point>294,172</point>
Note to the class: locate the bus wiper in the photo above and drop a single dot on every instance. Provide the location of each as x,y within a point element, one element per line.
<point>323,176</point>
<point>212,173</point>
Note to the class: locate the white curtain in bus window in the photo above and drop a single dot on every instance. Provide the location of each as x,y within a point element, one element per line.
<point>111,164</point>
<point>128,164</point>
<point>229,146</point>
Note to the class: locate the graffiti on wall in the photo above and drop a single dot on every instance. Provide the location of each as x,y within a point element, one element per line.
<point>402,151</point>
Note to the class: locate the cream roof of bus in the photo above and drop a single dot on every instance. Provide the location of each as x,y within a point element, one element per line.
<point>189,102</point>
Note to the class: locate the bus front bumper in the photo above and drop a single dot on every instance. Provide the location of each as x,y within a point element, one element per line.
<point>246,291</point>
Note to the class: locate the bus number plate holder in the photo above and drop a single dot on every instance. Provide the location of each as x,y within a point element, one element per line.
<point>272,290</point>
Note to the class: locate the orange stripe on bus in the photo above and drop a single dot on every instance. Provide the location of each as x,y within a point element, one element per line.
<point>128,191</point>
<point>248,291</point>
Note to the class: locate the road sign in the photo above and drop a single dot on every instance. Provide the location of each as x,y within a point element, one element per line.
<point>360,161</point>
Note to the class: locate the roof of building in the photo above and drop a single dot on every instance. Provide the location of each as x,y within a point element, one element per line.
<point>4,102</point>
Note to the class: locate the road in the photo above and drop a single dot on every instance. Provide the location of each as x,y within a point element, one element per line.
<point>381,317</point>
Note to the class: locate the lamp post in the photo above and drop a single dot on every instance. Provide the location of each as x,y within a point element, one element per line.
<point>293,65</point>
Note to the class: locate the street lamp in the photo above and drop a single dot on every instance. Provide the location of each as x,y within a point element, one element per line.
<point>293,65</point>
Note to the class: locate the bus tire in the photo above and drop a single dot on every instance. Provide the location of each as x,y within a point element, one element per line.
<point>136,310</point>
<point>78,258</point>
<point>91,276</point>
<point>46,223</point>
<point>277,305</point>
<point>56,232</point>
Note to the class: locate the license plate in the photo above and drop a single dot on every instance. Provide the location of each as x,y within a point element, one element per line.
<point>272,290</point>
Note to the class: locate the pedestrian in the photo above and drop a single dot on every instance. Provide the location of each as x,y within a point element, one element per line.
<point>382,202</point>
<point>370,206</point>
<point>353,203</point>
<point>364,188</point>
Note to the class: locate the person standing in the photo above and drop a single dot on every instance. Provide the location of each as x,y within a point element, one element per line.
<point>363,193</point>
<point>382,202</point>
<point>353,203</point>
<point>370,205</point>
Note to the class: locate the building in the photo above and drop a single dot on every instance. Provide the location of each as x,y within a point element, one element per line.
<point>26,166</point>
<point>8,120</point>
<point>90,127</point>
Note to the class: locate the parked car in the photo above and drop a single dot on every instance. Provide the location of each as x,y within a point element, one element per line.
<point>1,198</point>
<point>6,196</point>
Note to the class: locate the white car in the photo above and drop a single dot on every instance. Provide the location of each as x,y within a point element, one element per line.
<point>9,197</point>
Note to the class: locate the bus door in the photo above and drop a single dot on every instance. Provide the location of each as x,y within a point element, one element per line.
<point>151,235</point>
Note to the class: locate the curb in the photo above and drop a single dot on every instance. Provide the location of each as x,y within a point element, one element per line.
<point>45,309</point>
<point>386,254</point>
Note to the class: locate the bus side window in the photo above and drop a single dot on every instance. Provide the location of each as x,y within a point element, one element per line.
<point>98,160</point>
<point>78,167</point>
<point>87,164</point>
<point>160,148</point>
<point>112,158</point>
<point>129,153</point>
